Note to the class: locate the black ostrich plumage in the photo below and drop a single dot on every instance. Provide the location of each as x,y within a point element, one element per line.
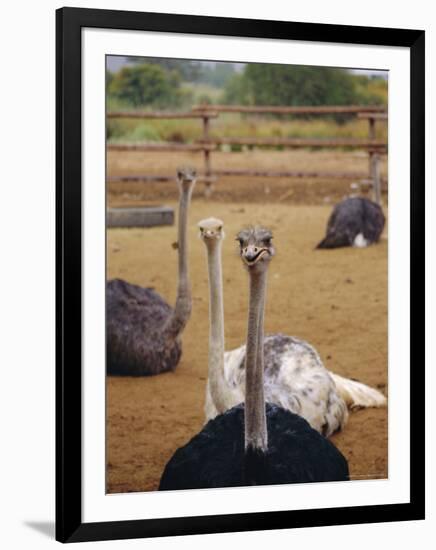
<point>351,217</point>
<point>215,457</point>
<point>136,344</point>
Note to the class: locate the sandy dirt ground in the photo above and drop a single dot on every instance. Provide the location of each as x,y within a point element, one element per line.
<point>336,300</point>
<point>240,189</point>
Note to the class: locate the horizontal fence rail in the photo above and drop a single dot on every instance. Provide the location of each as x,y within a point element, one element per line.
<point>300,142</point>
<point>207,144</point>
<point>300,110</point>
<point>151,178</point>
<point>291,174</point>
<point>161,114</point>
<point>162,146</point>
<point>374,116</point>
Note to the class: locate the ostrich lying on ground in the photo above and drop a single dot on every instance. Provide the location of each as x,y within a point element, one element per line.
<point>355,222</point>
<point>258,443</point>
<point>143,331</point>
<point>295,377</point>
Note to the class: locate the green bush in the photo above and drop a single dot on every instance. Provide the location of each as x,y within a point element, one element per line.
<point>144,132</point>
<point>115,129</point>
<point>146,85</point>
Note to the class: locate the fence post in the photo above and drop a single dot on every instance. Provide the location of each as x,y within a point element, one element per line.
<point>371,135</point>
<point>374,163</point>
<point>375,176</point>
<point>206,152</point>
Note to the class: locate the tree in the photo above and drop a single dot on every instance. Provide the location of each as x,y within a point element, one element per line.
<point>189,71</point>
<point>146,85</point>
<point>237,91</point>
<point>292,85</point>
<point>371,90</point>
<point>109,78</point>
<point>216,74</point>
<point>298,85</point>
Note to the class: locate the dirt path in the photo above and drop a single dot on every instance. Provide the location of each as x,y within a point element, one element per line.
<point>337,300</point>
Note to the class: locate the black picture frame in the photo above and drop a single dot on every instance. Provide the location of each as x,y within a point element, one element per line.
<point>69,525</point>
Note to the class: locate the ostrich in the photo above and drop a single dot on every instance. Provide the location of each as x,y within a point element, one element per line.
<point>256,443</point>
<point>143,331</point>
<point>295,377</point>
<point>355,221</point>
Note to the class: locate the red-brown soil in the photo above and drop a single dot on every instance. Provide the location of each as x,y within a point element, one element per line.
<point>336,300</point>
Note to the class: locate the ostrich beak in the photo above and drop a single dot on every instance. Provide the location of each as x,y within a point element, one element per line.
<point>252,254</point>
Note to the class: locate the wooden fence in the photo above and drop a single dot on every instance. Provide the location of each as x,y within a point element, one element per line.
<point>206,145</point>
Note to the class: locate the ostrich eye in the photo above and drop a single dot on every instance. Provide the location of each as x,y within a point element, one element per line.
<point>267,242</point>
<point>219,228</point>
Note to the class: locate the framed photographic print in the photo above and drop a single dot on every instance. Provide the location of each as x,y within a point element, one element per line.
<point>240,274</point>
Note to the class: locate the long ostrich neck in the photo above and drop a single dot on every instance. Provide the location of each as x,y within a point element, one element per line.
<point>182,310</point>
<point>219,389</point>
<point>256,436</point>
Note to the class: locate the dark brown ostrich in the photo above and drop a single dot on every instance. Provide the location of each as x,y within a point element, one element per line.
<point>143,331</point>
<point>355,221</point>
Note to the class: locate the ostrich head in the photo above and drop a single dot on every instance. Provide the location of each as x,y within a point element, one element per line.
<point>186,177</point>
<point>211,229</point>
<point>255,247</point>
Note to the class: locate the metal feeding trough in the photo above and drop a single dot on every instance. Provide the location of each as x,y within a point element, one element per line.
<point>145,216</point>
